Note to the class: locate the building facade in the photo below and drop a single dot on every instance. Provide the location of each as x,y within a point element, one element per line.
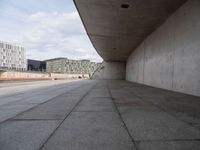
<point>36,65</point>
<point>12,57</point>
<point>64,65</point>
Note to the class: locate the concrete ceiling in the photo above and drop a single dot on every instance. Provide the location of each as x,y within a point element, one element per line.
<point>115,31</point>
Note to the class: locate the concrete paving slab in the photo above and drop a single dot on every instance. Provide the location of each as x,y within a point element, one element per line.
<point>156,92</point>
<point>96,104</point>
<point>172,145</point>
<point>156,120</point>
<point>196,126</point>
<point>49,111</point>
<point>32,96</point>
<point>91,131</point>
<point>25,135</point>
<point>184,116</point>
<point>56,108</point>
<point>183,108</point>
<point>125,109</point>
<point>130,102</point>
<point>189,105</point>
<point>119,96</point>
<point>99,93</point>
<point>82,89</point>
<point>10,111</point>
<point>28,94</point>
<point>155,125</point>
<point>159,114</point>
<point>106,99</point>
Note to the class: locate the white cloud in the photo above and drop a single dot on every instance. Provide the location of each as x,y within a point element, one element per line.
<point>55,22</point>
<point>57,35</point>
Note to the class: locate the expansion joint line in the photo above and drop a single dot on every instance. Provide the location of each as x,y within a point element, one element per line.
<point>81,99</point>
<point>122,120</point>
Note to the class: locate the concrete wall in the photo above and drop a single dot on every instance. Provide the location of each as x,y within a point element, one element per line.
<point>68,76</point>
<point>170,57</point>
<point>111,70</point>
<point>17,75</point>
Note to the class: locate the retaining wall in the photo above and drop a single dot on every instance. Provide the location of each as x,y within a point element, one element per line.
<point>15,75</point>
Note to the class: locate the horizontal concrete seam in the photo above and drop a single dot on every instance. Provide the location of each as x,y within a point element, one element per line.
<point>35,119</point>
<point>66,117</point>
<point>168,140</point>
<point>95,111</point>
<point>97,97</point>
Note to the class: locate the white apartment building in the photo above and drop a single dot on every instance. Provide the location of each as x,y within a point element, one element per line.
<point>12,57</point>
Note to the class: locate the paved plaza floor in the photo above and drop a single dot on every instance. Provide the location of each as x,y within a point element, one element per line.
<point>96,115</point>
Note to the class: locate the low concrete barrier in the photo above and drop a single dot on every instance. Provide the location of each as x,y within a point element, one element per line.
<point>69,76</point>
<point>17,75</point>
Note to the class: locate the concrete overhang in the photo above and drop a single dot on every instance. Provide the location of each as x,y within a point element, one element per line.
<point>117,27</point>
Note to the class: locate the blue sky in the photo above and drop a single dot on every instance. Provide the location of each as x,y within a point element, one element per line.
<point>46,28</point>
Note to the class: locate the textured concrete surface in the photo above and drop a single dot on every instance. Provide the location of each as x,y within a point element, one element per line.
<point>25,135</point>
<point>170,57</point>
<point>115,31</point>
<point>18,97</point>
<point>159,50</point>
<point>100,115</point>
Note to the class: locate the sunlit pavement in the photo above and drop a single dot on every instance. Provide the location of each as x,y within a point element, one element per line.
<point>97,115</point>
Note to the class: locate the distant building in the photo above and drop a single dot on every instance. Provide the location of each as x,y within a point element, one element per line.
<point>64,65</point>
<point>36,65</point>
<point>12,57</point>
